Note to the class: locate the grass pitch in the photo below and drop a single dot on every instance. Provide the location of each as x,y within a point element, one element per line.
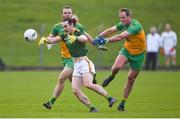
<point>155,94</point>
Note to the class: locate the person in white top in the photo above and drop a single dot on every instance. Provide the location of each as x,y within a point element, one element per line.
<point>153,44</point>
<point>169,41</point>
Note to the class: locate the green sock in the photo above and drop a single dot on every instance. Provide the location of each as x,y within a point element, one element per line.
<point>112,76</point>
<point>52,100</point>
<point>90,106</point>
<point>123,100</point>
<point>108,97</point>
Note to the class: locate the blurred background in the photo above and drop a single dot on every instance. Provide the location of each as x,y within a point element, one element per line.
<point>96,15</point>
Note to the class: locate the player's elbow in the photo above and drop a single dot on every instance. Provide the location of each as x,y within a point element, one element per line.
<point>82,39</point>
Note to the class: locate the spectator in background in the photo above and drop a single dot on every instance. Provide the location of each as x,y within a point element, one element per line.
<point>153,44</point>
<point>169,41</point>
<point>2,65</point>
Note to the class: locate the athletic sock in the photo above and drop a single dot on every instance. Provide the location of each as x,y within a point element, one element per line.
<point>108,97</point>
<point>90,106</point>
<point>123,101</point>
<point>52,100</point>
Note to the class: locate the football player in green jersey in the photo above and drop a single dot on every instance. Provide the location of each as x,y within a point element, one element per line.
<point>84,68</point>
<point>66,73</point>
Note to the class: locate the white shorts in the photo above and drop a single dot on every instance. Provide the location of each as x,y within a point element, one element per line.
<point>169,53</point>
<point>83,66</point>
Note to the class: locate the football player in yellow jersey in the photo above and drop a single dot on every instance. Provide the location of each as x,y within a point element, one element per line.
<point>132,52</point>
<point>66,73</point>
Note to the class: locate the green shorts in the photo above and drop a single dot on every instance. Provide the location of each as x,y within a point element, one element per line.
<point>68,62</point>
<point>135,61</point>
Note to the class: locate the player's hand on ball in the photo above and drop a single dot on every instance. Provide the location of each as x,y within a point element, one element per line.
<point>72,38</point>
<point>99,41</point>
<point>42,41</point>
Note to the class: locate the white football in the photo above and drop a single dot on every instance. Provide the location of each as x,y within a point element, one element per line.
<point>30,35</point>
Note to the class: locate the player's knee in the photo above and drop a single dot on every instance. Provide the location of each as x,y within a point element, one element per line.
<point>61,80</point>
<point>115,68</point>
<point>88,85</point>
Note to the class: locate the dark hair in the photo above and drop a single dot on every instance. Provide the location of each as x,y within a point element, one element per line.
<point>127,11</point>
<point>70,21</point>
<point>66,7</point>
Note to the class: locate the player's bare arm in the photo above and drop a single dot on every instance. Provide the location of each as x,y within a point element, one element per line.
<point>54,39</point>
<point>119,37</point>
<point>89,38</point>
<point>108,32</point>
<point>82,38</point>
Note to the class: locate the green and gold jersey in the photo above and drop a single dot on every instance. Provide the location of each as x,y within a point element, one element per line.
<point>135,43</point>
<point>59,30</point>
<point>76,48</point>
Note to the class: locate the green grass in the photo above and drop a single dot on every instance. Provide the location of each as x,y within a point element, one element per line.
<point>155,94</point>
<point>18,15</point>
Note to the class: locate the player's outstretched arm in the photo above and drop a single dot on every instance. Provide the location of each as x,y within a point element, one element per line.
<point>119,37</point>
<point>99,47</point>
<point>108,32</point>
<point>54,39</point>
<point>89,37</point>
<point>114,38</point>
<point>49,40</point>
